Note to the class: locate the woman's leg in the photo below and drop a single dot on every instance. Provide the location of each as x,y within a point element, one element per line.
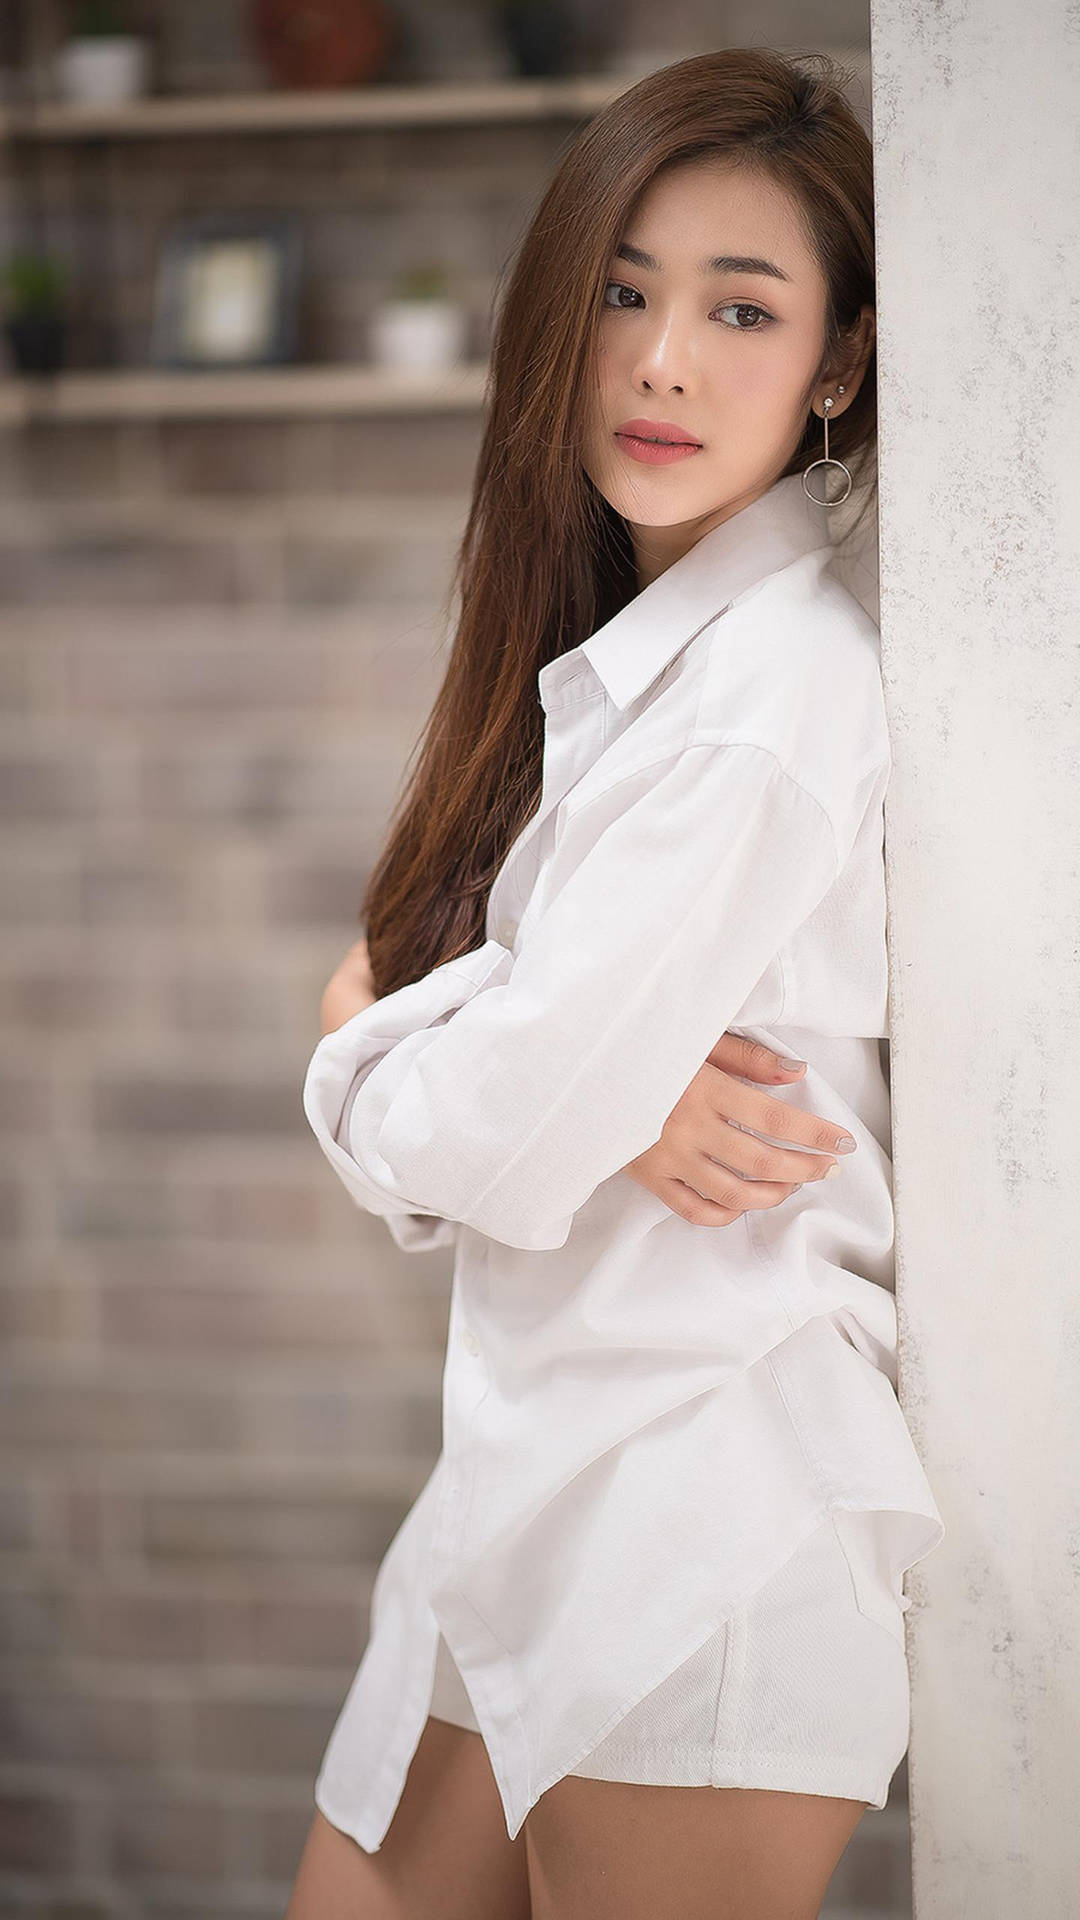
<point>445,1855</point>
<point>605,1850</point>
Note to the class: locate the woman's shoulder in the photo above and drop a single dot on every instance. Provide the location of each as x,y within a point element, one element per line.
<point>800,622</point>
<point>789,666</point>
<point>794,664</point>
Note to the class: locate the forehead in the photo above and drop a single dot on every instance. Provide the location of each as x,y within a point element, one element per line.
<point>704,207</point>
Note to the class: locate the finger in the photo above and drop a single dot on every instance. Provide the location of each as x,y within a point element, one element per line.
<point>726,1188</point>
<point>693,1206</point>
<point>787,1123</point>
<point>736,1054</point>
<point>754,1159</point>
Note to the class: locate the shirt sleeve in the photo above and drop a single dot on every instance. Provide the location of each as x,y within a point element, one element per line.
<point>507,1115</point>
<point>397,1024</point>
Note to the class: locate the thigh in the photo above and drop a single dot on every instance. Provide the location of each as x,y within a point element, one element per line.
<point>445,1855</point>
<point>606,1850</point>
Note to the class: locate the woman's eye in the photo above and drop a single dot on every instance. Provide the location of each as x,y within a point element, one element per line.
<point>746,306</point>
<point>733,306</point>
<point>618,285</point>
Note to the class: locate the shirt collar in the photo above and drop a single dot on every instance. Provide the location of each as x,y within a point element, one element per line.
<point>631,648</point>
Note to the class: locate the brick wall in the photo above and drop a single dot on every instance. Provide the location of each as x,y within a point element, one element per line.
<point>221,1382</point>
<point>220,1385</point>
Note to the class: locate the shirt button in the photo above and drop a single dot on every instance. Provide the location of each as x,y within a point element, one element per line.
<point>506,932</point>
<point>472,1344</point>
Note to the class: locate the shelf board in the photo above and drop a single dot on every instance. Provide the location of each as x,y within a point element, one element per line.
<point>310,110</point>
<point>269,391</point>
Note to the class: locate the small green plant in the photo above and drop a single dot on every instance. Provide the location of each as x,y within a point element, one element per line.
<point>33,286</point>
<point>97,19</point>
<point>427,281</point>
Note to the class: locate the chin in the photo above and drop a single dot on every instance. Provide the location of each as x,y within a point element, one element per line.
<point>648,513</point>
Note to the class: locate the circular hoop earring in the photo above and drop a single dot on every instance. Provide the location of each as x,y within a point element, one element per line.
<point>826,462</point>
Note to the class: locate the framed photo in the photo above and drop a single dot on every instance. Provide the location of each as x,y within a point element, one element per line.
<point>227,291</point>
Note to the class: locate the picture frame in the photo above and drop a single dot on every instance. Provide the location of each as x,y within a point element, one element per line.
<point>227,290</point>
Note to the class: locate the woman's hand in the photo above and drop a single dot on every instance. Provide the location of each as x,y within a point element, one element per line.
<point>348,990</point>
<point>705,1128</point>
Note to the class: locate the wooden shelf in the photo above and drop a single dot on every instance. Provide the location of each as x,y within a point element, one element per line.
<point>437,103</point>
<point>269,391</point>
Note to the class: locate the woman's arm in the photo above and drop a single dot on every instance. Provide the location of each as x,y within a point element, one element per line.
<point>508,1111</point>
<point>349,989</point>
<point>708,1165</point>
<point>379,1031</point>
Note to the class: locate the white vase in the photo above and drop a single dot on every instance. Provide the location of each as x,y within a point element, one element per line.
<point>103,70</point>
<point>421,335</point>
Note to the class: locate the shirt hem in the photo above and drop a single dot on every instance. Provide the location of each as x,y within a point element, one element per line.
<point>832,1774</point>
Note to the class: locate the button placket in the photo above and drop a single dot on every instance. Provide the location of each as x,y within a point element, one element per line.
<point>574,734</point>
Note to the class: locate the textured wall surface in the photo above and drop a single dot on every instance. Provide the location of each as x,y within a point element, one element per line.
<point>977,112</point>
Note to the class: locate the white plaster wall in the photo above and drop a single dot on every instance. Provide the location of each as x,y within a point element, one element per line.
<point>976,112</point>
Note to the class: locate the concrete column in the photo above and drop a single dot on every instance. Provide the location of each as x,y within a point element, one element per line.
<point>976,114</point>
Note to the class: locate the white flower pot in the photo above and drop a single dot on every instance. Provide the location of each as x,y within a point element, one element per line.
<point>421,335</point>
<point>103,71</point>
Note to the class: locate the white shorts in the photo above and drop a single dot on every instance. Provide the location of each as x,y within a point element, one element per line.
<point>800,1691</point>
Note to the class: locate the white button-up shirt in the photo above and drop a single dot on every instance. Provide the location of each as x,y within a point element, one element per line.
<point>642,1418</point>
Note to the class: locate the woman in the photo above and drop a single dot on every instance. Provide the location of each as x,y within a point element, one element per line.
<point>662,1550</point>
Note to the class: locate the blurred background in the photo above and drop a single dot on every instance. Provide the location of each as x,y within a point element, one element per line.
<point>248,254</point>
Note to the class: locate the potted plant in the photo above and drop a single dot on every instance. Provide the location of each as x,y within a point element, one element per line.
<point>420,326</point>
<point>35,322</point>
<point>102,64</point>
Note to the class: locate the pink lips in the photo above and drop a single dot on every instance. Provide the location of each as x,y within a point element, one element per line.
<point>657,430</point>
<point>655,443</point>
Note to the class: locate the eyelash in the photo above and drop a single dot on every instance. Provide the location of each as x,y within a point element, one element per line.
<point>766,317</point>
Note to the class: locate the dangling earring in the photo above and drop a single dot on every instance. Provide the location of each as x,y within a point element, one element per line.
<point>826,404</point>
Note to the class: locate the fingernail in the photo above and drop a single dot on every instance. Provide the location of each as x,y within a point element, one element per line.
<point>832,1173</point>
<point>791,1066</point>
<point>845,1144</point>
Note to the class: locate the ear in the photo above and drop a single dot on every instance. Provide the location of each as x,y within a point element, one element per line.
<point>855,353</point>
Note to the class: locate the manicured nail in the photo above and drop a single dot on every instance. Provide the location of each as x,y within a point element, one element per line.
<point>791,1066</point>
<point>846,1144</point>
<point>832,1173</point>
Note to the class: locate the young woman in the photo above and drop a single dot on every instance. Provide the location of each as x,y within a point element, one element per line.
<point>662,1550</point>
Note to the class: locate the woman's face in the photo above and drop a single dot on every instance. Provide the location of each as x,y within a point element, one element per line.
<point>725,352</point>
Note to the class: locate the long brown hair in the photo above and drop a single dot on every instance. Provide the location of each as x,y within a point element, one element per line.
<point>544,559</point>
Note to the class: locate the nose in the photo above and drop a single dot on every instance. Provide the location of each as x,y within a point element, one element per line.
<point>664,364</point>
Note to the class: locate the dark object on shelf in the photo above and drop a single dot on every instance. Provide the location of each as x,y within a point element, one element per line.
<point>34,319</point>
<point>37,345</point>
<point>323,43</point>
<point>98,19</point>
<point>539,36</point>
<point>227,291</point>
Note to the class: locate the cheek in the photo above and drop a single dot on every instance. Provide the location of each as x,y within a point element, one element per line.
<point>771,384</point>
<point>763,368</point>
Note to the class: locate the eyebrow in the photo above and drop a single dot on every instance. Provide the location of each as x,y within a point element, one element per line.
<point>720,262</point>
